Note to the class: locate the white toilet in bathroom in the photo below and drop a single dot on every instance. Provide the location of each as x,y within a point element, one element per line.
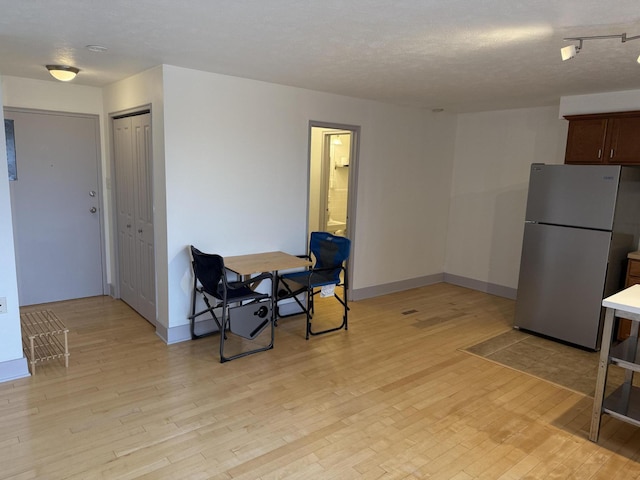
<point>335,226</point>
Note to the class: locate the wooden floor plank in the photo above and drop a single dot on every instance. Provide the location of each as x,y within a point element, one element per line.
<point>394,397</point>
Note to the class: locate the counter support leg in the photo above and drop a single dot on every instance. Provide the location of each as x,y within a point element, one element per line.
<point>601,382</point>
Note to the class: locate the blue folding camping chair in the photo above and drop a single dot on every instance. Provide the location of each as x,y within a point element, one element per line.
<point>328,274</point>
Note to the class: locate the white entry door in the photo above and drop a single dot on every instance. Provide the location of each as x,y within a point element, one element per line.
<point>55,203</point>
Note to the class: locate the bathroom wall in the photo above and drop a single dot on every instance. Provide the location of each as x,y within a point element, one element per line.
<point>338,193</point>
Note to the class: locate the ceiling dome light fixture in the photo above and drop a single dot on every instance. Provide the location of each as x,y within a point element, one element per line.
<point>64,73</point>
<point>570,51</point>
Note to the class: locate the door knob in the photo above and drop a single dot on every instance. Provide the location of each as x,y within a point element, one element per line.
<point>93,209</point>
<point>92,193</point>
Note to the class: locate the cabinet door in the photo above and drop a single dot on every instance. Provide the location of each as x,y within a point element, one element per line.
<point>624,141</point>
<point>586,140</point>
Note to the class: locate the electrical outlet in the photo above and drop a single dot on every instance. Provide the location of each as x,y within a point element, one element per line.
<point>3,304</point>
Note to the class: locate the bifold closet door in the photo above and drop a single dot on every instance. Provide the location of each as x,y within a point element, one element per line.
<point>134,204</point>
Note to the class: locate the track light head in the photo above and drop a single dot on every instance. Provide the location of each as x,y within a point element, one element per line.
<point>569,52</point>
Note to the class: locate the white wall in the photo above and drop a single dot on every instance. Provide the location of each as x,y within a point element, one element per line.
<point>243,145</point>
<point>623,101</point>
<point>237,169</point>
<point>436,192</point>
<point>12,362</point>
<point>493,153</point>
<point>403,189</point>
<point>51,95</point>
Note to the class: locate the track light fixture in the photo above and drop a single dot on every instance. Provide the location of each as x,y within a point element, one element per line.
<point>571,51</point>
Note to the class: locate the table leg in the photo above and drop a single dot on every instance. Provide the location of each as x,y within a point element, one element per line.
<point>66,351</point>
<point>601,382</point>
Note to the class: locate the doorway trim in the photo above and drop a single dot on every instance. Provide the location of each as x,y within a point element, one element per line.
<point>354,164</point>
<point>113,218</point>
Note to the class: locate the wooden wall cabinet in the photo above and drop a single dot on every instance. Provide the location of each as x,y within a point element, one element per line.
<point>607,139</point>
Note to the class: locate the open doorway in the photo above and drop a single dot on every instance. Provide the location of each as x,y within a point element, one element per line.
<point>333,161</point>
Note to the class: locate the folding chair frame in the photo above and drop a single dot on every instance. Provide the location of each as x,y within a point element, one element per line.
<point>224,301</point>
<point>314,278</point>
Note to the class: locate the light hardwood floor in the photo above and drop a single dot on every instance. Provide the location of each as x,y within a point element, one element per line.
<point>395,397</point>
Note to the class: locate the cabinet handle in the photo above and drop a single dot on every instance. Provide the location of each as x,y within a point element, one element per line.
<point>599,153</point>
<point>611,154</point>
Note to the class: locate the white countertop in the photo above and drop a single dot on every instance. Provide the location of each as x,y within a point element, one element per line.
<point>627,300</point>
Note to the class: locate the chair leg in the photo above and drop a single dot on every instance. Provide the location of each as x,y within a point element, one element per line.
<point>308,312</point>
<point>194,315</point>
<point>290,294</point>
<point>342,325</point>
<point>223,332</point>
<point>346,310</point>
<point>226,324</point>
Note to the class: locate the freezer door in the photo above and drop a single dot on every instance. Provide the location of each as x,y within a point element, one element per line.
<point>562,276</point>
<point>573,195</point>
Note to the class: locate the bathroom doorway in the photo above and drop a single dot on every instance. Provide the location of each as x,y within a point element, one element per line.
<point>332,178</point>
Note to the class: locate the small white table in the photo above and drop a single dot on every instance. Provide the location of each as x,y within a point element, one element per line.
<point>624,402</point>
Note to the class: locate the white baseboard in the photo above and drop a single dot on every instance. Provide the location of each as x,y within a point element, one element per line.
<point>376,291</point>
<point>491,288</point>
<point>486,287</point>
<point>14,369</point>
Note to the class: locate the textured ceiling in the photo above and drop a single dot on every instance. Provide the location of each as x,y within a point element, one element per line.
<point>459,55</point>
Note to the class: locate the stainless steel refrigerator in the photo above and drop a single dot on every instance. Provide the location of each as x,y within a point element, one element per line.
<point>580,223</point>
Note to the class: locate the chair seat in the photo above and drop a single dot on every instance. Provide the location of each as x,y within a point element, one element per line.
<point>236,293</point>
<point>310,279</point>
